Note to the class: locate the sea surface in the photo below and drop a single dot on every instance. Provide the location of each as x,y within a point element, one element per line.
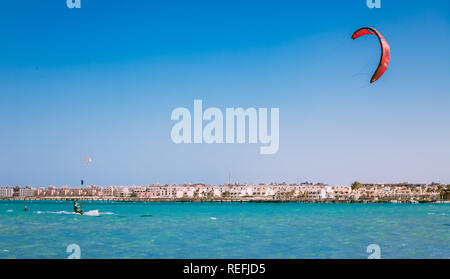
<point>227,230</point>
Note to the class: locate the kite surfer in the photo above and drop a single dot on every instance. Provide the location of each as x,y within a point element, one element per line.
<point>77,208</point>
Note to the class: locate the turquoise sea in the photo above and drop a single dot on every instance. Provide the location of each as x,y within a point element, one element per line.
<point>228,230</point>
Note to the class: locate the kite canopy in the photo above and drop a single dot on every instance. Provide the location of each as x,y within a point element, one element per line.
<point>385,50</point>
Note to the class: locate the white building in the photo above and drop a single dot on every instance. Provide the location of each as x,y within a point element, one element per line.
<point>26,192</point>
<point>123,191</point>
<point>108,191</point>
<point>6,192</point>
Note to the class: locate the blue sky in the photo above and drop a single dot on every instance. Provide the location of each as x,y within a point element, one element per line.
<point>102,81</point>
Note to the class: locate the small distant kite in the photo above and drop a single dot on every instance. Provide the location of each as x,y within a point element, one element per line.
<point>88,160</point>
<point>385,50</point>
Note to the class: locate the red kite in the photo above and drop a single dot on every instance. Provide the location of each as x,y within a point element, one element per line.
<point>385,50</point>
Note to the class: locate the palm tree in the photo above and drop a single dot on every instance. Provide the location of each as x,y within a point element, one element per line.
<point>210,194</point>
<point>225,194</point>
<point>196,193</point>
<point>356,185</point>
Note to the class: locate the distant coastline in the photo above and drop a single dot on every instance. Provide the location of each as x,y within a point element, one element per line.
<point>146,200</point>
<point>256,193</point>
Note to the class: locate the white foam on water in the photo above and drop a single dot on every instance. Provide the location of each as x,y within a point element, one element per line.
<point>87,213</point>
<point>107,213</point>
<point>92,213</point>
<point>96,213</point>
<point>54,212</point>
<point>9,210</point>
<point>213,218</point>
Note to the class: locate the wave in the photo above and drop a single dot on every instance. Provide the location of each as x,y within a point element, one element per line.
<point>434,213</point>
<point>87,213</point>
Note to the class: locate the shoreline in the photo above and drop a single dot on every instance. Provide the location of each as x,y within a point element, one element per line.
<point>147,200</point>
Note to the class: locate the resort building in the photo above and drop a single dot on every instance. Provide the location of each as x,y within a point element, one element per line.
<point>6,192</point>
<point>274,191</point>
<point>26,192</point>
